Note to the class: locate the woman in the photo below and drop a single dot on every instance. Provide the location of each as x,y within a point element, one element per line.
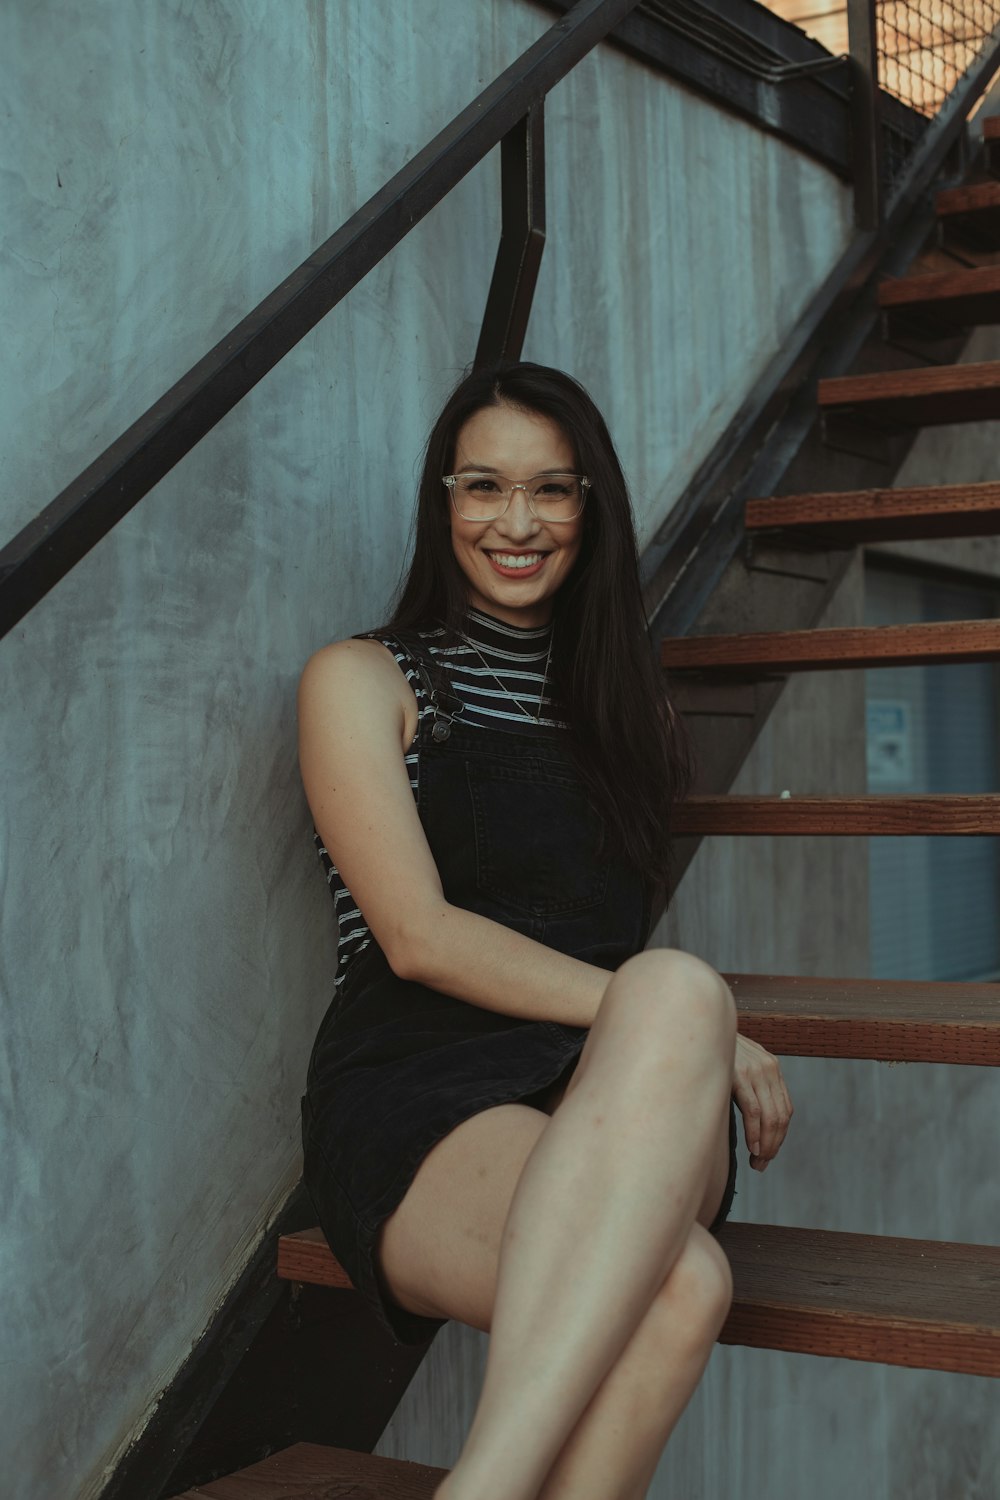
<point>514,1116</point>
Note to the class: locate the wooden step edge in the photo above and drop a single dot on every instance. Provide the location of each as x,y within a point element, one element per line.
<point>911,384</point>
<point>972,1044</point>
<point>885,1020</point>
<point>882,1019</point>
<point>968,216</point>
<point>971,197</point>
<point>932,306</point>
<point>737,814</point>
<point>922,1303</point>
<point>939,287</point>
<point>856,516</point>
<point>947,642</point>
<point>856,410</point>
<point>991,127</point>
<point>310,1471</point>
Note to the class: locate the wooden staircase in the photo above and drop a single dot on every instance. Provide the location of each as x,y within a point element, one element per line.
<point>926,1304</point>
<point>908,1302</point>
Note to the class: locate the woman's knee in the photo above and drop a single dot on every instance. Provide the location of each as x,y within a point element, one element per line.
<point>698,1293</point>
<point>667,990</point>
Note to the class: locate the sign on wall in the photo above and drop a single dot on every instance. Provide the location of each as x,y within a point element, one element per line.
<point>890,743</point>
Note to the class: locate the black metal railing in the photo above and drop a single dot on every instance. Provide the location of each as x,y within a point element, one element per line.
<point>508,111</point>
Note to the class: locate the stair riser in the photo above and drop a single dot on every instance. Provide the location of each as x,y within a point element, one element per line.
<point>939,319</point>
<point>943,409</point>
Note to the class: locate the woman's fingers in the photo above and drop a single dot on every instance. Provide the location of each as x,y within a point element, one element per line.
<point>762,1097</point>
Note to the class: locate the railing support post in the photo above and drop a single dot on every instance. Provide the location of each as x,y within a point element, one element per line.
<point>866,125</point>
<point>522,239</point>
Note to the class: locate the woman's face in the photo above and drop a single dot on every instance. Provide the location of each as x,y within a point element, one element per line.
<point>517,444</point>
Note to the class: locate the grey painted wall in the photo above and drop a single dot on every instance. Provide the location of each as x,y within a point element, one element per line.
<point>166,940</point>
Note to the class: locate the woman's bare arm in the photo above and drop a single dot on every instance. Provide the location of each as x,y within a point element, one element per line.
<point>357,715</point>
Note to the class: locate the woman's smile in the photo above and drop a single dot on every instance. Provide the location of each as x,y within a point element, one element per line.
<point>515,563</point>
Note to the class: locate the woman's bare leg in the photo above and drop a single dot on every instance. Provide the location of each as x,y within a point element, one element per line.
<point>602,1211</point>
<point>614,1449</point>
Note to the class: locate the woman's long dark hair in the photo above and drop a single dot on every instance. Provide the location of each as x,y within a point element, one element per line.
<point>629,744</point>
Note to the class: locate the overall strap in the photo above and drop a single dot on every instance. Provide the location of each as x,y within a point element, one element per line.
<point>445,703</point>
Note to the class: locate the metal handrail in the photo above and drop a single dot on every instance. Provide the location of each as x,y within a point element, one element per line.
<point>65,531</point>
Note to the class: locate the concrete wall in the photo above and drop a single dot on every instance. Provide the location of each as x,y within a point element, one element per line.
<point>166,936</point>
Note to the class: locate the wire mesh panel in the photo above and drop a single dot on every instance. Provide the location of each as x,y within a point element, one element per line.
<point>924,47</point>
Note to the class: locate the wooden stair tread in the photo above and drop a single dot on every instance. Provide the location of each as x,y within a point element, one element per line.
<point>926,396</point>
<point>913,1302</point>
<point>928,1304</point>
<point>306,1256</point>
<point>950,813</point>
<point>991,127</point>
<point>972,212</point>
<point>855,516</point>
<point>943,642</point>
<point>307,1471</point>
<point>944,300</point>
<point>893,1020</point>
<point>971,197</point>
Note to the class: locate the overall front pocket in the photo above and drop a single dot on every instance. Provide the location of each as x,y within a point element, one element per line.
<point>538,838</point>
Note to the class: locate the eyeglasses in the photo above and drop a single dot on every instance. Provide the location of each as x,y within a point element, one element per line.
<point>550,497</point>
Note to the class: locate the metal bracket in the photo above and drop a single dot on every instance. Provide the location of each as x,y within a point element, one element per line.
<point>522,239</point>
<point>866,129</point>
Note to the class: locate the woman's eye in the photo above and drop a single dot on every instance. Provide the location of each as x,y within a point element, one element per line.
<point>480,486</point>
<point>557,489</point>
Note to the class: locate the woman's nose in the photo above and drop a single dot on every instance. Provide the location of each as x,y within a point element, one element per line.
<point>518,519</point>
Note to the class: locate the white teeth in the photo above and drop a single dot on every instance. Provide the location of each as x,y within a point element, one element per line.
<point>517,559</point>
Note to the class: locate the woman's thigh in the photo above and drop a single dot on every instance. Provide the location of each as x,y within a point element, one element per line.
<point>439,1251</point>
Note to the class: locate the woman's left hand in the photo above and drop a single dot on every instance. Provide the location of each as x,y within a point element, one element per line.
<point>762,1098</point>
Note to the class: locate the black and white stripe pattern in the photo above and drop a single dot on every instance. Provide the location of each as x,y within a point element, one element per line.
<point>496,669</point>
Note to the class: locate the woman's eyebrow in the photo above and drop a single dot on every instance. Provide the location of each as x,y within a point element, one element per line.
<point>489,469</point>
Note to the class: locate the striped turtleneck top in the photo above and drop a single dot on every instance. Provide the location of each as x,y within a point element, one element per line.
<point>499,673</point>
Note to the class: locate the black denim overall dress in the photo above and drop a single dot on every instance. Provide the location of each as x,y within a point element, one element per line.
<point>396,1065</point>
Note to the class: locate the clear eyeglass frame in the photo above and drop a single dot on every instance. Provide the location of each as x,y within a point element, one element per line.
<point>507,493</point>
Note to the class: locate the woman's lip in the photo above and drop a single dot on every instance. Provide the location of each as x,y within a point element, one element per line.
<point>516,572</point>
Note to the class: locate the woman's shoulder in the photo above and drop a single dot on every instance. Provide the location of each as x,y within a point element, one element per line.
<point>351,667</point>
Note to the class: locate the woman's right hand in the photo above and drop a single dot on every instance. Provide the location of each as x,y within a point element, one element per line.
<point>763,1101</point>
